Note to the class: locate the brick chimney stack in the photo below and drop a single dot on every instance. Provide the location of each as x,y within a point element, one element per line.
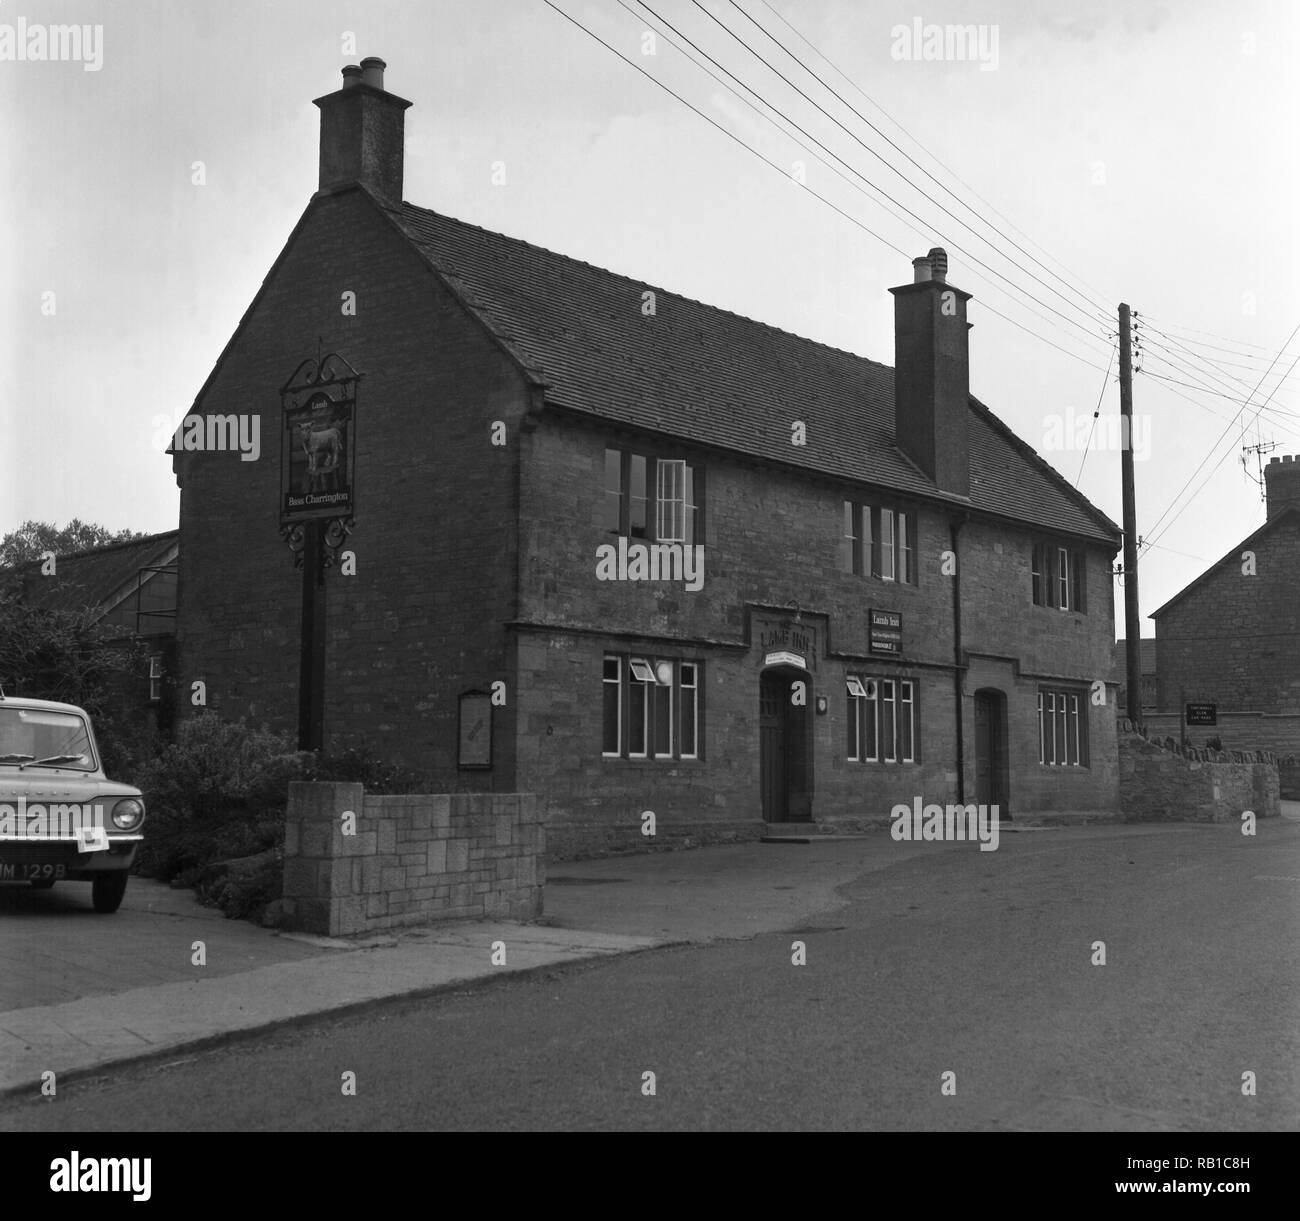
<point>1282,484</point>
<point>362,128</point>
<point>932,373</point>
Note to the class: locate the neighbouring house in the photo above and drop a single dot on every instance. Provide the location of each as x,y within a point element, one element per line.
<point>1147,664</point>
<point>129,589</point>
<point>630,552</point>
<point>1230,637</point>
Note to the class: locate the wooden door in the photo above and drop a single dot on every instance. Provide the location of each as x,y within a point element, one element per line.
<point>773,748</point>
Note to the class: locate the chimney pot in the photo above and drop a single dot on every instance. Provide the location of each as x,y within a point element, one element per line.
<point>1281,484</point>
<point>361,134</point>
<point>939,261</point>
<point>932,375</point>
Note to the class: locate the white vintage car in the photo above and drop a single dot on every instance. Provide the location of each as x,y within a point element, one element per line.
<point>61,818</point>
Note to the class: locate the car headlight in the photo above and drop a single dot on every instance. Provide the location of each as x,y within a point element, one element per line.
<point>128,814</point>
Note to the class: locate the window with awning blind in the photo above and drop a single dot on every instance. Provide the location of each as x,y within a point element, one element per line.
<point>882,723</point>
<point>651,708</point>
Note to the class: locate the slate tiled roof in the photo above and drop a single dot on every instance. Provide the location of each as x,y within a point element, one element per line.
<point>95,577</point>
<point>716,378</point>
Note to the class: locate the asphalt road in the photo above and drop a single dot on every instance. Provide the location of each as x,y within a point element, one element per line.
<point>976,964</point>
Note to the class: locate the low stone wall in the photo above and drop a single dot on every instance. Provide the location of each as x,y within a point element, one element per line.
<point>1276,732</point>
<point>411,858</point>
<point>1161,781</point>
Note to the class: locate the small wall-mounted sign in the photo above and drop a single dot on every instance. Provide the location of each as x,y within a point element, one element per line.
<point>886,632</point>
<point>784,659</point>
<point>1202,714</point>
<point>772,632</point>
<point>823,705</point>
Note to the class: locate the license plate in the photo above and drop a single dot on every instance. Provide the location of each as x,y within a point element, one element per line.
<point>18,872</point>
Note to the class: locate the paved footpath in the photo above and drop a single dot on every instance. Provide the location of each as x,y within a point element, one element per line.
<point>79,991</point>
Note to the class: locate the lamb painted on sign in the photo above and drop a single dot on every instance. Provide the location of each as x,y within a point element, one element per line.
<point>324,450</point>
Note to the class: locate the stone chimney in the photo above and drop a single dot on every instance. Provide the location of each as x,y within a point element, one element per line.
<point>932,374</point>
<point>1282,484</point>
<point>361,133</point>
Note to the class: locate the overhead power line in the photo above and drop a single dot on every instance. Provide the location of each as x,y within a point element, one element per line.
<point>926,151</point>
<point>778,118</point>
<point>893,169</point>
<point>1155,534</point>
<point>1096,411</point>
<point>1099,309</point>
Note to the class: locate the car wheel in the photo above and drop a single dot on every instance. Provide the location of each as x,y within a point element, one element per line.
<point>42,883</point>
<point>107,891</point>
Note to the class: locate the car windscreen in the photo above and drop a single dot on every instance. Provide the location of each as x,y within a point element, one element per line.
<point>28,735</point>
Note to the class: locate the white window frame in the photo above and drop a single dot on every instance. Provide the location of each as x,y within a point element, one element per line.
<point>906,699</point>
<point>694,688</point>
<point>642,677</point>
<point>906,557</point>
<point>670,500</point>
<point>617,683</point>
<point>888,568</point>
<point>671,687</point>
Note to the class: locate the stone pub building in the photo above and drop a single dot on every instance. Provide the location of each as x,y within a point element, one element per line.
<point>633,553</point>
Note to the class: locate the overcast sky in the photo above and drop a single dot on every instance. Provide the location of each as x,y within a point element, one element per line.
<point>1134,151</point>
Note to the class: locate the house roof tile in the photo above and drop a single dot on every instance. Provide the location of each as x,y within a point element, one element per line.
<point>715,378</point>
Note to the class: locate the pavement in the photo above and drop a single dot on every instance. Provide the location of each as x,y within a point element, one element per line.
<point>80,992</point>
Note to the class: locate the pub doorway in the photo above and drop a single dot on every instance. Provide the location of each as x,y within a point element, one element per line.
<point>784,744</point>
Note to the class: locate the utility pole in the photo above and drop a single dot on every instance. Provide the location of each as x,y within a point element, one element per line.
<point>1132,641</point>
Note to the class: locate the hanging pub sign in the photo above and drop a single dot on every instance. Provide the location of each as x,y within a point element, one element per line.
<point>886,632</point>
<point>318,441</point>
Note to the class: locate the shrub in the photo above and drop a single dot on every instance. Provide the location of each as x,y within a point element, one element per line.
<point>244,888</point>
<point>217,792</point>
<point>358,765</point>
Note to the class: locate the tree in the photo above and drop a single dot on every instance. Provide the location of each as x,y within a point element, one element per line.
<point>33,538</point>
<point>60,655</point>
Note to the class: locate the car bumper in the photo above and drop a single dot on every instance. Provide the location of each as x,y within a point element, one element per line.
<point>77,866</point>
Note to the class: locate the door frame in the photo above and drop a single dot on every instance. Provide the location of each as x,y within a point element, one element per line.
<point>798,770</point>
<point>1000,749</point>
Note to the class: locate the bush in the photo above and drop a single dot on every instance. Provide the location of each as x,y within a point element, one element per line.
<point>244,888</point>
<point>127,747</point>
<point>358,765</point>
<point>217,792</point>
